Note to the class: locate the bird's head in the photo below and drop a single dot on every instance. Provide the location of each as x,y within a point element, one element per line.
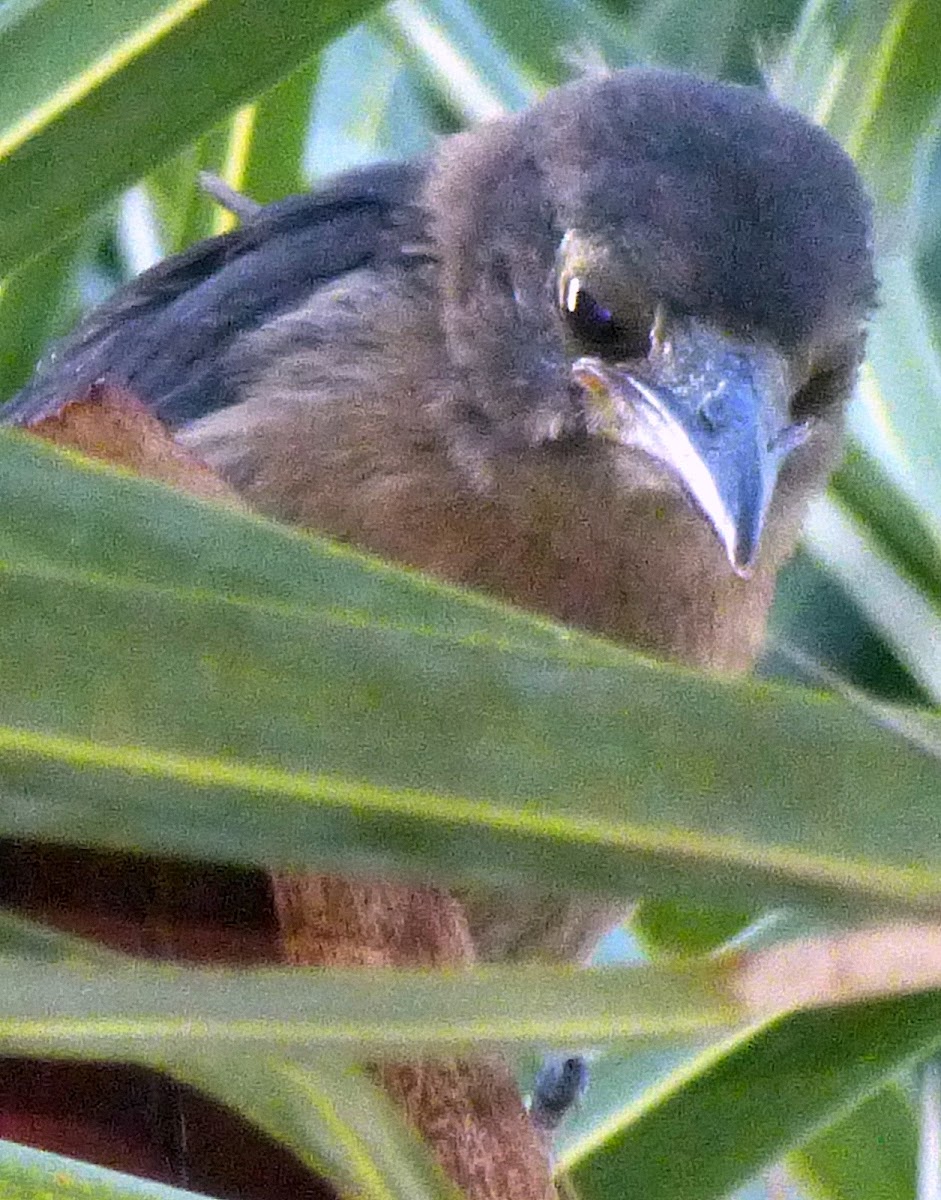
<point>665,272</point>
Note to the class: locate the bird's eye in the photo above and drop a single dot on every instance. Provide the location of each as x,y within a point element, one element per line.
<point>595,326</point>
<point>587,318</point>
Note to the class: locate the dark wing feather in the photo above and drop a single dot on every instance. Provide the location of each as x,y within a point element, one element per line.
<point>165,335</point>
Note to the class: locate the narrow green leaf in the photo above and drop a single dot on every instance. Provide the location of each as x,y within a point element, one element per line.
<point>199,670</point>
<point>258,151</point>
<point>890,93</point>
<point>86,518</point>
<point>33,301</point>
<point>27,1174</point>
<point>869,1152</point>
<point>21,938</point>
<point>154,75</point>
<point>370,104</point>
<point>330,1114</point>
<point>279,129</point>
<point>869,74</point>
<point>184,212</point>
<point>719,40</point>
<point>906,617</point>
<point>445,41</point>
<point>154,1016</point>
<point>553,39</point>
<point>725,1118</point>
<point>806,72</point>
<point>896,417</point>
<point>48,47</point>
<point>672,927</point>
<point>896,525</point>
<point>879,96</point>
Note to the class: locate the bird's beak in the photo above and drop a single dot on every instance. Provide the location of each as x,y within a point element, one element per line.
<point>714,411</point>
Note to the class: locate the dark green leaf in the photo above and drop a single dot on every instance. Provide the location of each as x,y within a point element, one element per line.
<point>729,1116</point>
<point>153,74</point>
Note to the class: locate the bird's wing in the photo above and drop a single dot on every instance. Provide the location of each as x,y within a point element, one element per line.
<point>165,336</point>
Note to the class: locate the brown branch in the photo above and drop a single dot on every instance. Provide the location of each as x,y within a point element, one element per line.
<point>468,1111</point>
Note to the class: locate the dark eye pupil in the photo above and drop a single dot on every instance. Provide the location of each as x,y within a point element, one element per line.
<point>597,330</point>
<point>589,317</point>
<point>588,310</point>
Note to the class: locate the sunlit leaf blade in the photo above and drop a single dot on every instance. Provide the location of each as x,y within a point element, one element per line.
<point>906,616</point>
<point>719,40</point>
<point>895,524</point>
<point>152,1016</point>
<point>868,72</point>
<point>154,81</point>
<point>184,211</point>
<point>272,160</point>
<point>258,152</point>
<point>45,47</point>
<point>889,93</point>
<point>879,99</point>
<point>449,46</point>
<point>369,105</point>
<point>557,38</point>
<point>244,694</point>
<point>671,927</point>
<point>728,1116</point>
<point>28,940</point>
<point>329,1113</point>
<point>840,638</point>
<point>870,1151</point>
<point>27,1174</point>
<point>91,520</point>
<point>33,301</point>
<point>896,416</point>
<point>806,72</point>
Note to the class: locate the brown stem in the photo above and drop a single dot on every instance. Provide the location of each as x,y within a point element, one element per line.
<point>468,1111</point>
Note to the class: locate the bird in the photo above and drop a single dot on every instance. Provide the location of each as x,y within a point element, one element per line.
<point>592,358</point>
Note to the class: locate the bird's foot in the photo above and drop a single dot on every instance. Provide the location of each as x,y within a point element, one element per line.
<point>560,1083</point>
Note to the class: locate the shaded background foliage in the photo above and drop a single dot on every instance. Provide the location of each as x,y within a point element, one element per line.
<point>94,98</point>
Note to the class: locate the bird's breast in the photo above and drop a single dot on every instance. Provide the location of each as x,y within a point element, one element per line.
<point>615,547</point>
<point>565,535</point>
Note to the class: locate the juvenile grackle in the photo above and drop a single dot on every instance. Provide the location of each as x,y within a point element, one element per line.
<point>592,358</point>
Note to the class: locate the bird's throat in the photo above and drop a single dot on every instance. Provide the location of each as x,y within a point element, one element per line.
<point>639,565</point>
